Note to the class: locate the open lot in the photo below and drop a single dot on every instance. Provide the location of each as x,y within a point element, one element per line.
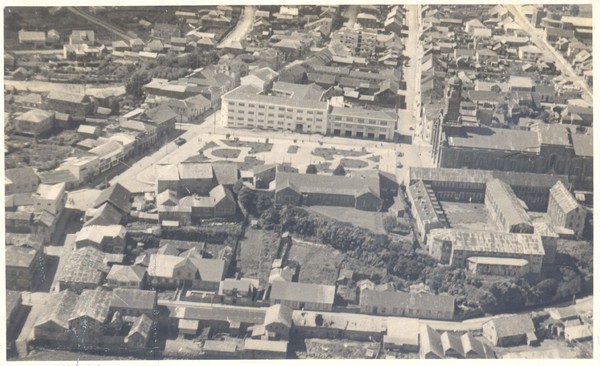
<point>258,248</point>
<point>332,348</point>
<point>369,220</point>
<point>318,263</point>
<point>470,216</point>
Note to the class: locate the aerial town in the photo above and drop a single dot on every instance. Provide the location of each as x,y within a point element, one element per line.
<point>298,182</point>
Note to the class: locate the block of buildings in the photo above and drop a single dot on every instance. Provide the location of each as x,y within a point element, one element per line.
<point>132,276</point>
<point>363,190</point>
<point>327,325</point>
<point>506,209</point>
<point>104,215</point>
<point>264,349</point>
<point>24,265</point>
<point>51,198</point>
<point>35,122</point>
<point>109,239</point>
<point>231,320</point>
<point>426,209</point>
<point>85,268</point>
<point>455,247</point>
<point>510,331</point>
<point>276,326</point>
<point>307,296</point>
<point>77,105</point>
<point>291,107</point>
<point>412,305</point>
<point>362,123</point>
<point>32,37</point>
<point>402,334</point>
<point>20,180</point>
<point>451,345</point>
<point>262,78</point>
<point>170,271</point>
<point>565,211</point>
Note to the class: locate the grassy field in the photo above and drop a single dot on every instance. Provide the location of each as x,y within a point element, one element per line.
<point>365,219</point>
<point>255,147</point>
<point>470,216</point>
<point>354,163</point>
<point>258,248</point>
<point>318,263</point>
<point>227,153</point>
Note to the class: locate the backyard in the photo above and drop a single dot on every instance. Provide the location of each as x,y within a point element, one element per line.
<point>258,249</point>
<point>366,219</point>
<point>318,263</point>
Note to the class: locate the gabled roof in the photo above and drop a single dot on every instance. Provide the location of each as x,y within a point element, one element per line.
<point>116,195</point>
<point>514,325</point>
<point>35,116</point>
<point>20,256</point>
<point>279,314</point>
<point>226,173</point>
<point>85,265</point>
<point>563,197</point>
<point>134,299</point>
<point>20,176</point>
<point>122,273</point>
<point>60,306</point>
<point>78,98</point>
<point>141,326</point>
<point>57,176</point>
<point>421,301</point>
<point>93,304</point>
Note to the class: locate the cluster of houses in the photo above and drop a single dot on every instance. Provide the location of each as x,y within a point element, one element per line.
<point>503,89</point>
<point>568,34</point>
<point>518,244</point>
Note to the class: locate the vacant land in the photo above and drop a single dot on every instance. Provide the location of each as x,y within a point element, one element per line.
<point>470,216</point>
<point>369,220</point>
<point>250,162</point>
<point>258,249</point>
<point>318,263</point>
<point>334,348</point>
<point>45,156</point>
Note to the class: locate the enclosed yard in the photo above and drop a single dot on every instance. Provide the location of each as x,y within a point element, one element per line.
<point>258,249</point>
<point>318,263</point>
<point>365,219</point>
<point>313,348</point>
<point>470,216</point>
<point>226,153</point>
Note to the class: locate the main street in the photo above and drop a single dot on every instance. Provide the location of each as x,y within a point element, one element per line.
<point>243,26</point>
<point>542,43</point>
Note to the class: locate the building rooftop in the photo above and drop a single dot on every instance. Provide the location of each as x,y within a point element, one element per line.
<point>563,197</point>
<point>507,203</point>
<point>491,241</point>
<point>357,112</point>
<point>265,345</point>
<point>424,203</point>
<point>223,314</point>
<point>122,273</point>
<point>303,292</point>
<point>85,265</point>
<point>312,183</point>
<point>60,306</point>
<point>402,331</point>
<point>250,93</point>
<point>513,325</point>
<point>135,299</point>
<point>20,176</point>
<point>50,191</point>
<point>20,256</point>
<point>93,304</point>
<point>35,116</point>
<point>495,139</point>
<point>405,300</point>
<point>343,321</point>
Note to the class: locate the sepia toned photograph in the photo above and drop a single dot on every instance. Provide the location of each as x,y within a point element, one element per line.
<point>242,182</point>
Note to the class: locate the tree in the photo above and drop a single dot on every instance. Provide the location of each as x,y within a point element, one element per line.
<point>389,223</point>
<point>239,184</point>
<point>339,170</point>
<point>134,86</point>
<point>311,169</point>
<point>574,10</point>
<point>247,199</point>
<point>263,202</point>
<point>115,106</point>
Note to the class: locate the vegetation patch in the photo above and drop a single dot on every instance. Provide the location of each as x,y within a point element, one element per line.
<point>292,149</point>
<point>255,147</point>
<point>250,162</point>
<point>354,163</point>
<point>329,153</point>
<point>227,153</point>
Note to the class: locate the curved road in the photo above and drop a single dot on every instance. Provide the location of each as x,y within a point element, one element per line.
<point>243,26</point>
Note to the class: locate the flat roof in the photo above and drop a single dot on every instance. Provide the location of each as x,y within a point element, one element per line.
<point>495,139</point>
<point>250,93</point>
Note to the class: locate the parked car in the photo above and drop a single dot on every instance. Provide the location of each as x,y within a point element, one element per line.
<point>180,141</point>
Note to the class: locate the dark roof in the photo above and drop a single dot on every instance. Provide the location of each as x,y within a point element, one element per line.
<point>419,301</point>
<point>93,304</point>
<point>13,300</point>
<point>134,299</point>
<point>21,175</point>
<point>85,265</point>
<point>106,214</point>
<point>118,196</point>
<point>227,173</point>
<point>349,185</point>
<point>59,308</point>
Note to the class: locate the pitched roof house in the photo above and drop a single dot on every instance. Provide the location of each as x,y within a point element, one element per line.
<point>510,330</point>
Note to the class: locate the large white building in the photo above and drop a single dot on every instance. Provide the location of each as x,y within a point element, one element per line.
<point>303,108</point>
<point>564,210</point>
<point>289,107</point>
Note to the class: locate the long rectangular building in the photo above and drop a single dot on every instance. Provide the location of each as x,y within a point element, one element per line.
<point>506,210</point>
<point>303,108</point>
<point>455,247</point>
<point>300,109</point>
<point>468,185</point>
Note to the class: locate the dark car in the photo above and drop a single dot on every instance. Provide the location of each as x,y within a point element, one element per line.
<point>180,141</point>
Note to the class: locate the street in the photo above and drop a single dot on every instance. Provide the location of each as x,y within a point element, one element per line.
<point>543,44</point>
<point>243,26</point>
